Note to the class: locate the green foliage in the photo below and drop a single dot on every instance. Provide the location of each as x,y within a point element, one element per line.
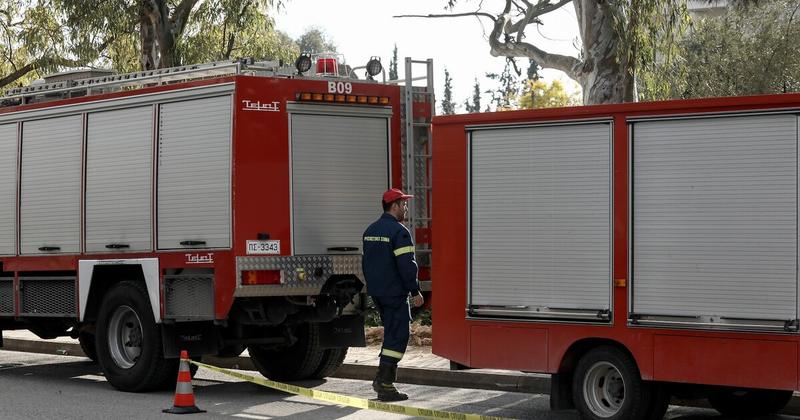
<point>647,32</point>
<point>315,41</point>
<point>393,65</point>
<point>538,94</point>
<point>448,107</point>
<point>474,105</point>
<point>504,98</point>
<point>751,49</point>
<point>424,317</point>
<point>229,29</point>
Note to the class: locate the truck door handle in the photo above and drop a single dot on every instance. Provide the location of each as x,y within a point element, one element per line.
<point>342,248</point>
<point>117,246</point>
<point>192,243</point>
<point>49,248</point>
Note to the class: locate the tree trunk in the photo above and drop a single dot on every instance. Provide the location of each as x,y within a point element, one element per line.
<point>604,76</point>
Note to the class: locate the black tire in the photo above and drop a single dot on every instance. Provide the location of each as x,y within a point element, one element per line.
<point>659,401</point>
<point>131,355</point>
<point>745,403</point>
<point>606,385</point>
<point>332,360</point>
<point>299,361</point>
<point>87,342</point>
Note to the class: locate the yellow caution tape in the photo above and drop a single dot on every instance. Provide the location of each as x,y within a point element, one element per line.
<point>349,401</point>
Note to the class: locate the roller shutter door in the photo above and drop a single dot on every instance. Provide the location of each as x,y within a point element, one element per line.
<point>119,175</point>
<point>194,175</point>
<point>339,172</point>
<point>715,217</point>
<point>540,218</point>
<point>8,189</point>
<point>51,185</point>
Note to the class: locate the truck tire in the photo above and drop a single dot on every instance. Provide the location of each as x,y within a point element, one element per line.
<point>87,342</point>
<point>659,401</point>
<point>299,361</point>
<point>748,402</point>
<point>128,341</point>
<point>606,385</point>
<point>332,360</point>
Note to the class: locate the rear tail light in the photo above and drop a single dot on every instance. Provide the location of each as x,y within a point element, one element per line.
<point>260,277</point>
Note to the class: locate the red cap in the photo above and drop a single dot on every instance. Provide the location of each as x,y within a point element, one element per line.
<point>395,194</point>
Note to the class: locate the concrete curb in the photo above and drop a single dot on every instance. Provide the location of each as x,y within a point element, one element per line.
<point>469,379</point>
<point>539,384</point>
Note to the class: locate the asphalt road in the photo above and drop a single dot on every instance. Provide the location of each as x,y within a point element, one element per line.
<point>39,386</point>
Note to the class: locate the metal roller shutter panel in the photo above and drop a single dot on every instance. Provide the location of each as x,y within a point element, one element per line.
<point>51,184</point>
<point>540,217</point>
<point>8,189</point>
<point>119,174</point>
<point>194,196</point>
<point>339,172</point>
<point>715,217</point>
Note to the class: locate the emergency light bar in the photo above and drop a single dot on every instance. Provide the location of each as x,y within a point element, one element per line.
<point>347,99</point>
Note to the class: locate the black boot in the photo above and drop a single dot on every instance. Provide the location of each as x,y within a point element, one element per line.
<point>384,384</point>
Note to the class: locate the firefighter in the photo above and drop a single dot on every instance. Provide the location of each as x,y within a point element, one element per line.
<point>391,274</point>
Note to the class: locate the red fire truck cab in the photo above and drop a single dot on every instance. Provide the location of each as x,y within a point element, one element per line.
<point>213,208</point>
<point>633,251</point>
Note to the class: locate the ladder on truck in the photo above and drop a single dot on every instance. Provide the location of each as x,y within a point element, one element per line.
<point>418,109</point>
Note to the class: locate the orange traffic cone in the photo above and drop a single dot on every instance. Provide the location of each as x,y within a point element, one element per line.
<point>184,396</point>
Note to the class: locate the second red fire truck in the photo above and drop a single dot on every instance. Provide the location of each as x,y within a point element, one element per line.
<point>633,251</point>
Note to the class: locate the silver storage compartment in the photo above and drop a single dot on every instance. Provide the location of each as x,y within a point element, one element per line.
<point>194,174</point>
<point>189,297</point>
<point>340,169</point>
<point>714,221</point>
<point>50,204</point>
<point>547,255</point>
<point>48,296</point>
<point>6,296</point>
<point>8,189</point>
<point>119,180</point>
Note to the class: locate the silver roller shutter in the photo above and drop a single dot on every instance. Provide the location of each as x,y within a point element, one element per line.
<point>194,174</point>
<point>51,185</point>
<point>8,189</point>
<point>119,175</point>
<point>339,171</point>
<point>540,218</point>
<point>715,217</point>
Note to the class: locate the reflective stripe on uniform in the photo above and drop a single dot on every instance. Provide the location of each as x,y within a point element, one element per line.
<point>377,239</point>
<point>404,250</point>
<point>391,353</point>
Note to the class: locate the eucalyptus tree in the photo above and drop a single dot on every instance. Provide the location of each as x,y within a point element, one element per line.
<point>618,39</point>
<point>34,42</point>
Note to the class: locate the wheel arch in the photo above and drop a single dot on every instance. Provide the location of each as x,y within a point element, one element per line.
<point>96,277</point>
<point>561,382</point>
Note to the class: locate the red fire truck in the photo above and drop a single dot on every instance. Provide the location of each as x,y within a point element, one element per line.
<point>634,251</point>
<point>213,208</point>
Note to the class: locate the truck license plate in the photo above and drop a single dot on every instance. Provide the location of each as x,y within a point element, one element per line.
<point>263,247</point>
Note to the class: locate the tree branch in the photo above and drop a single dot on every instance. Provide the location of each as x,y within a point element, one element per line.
<point>478,14</point>
<point>534,12</point>
<point>569,65</point>
<point>180,16</point>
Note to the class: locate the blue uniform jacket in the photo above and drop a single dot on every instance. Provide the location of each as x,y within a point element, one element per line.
<point>388,264</point>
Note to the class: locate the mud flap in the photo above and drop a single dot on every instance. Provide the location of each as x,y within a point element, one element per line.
<point>198,338</point>
<point>345,331</point>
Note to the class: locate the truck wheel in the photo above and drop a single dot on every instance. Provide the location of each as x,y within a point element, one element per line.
<point>299,361</point>
<point>659,401</point>
<point>87,342</point>
<point>606,385</point>
<point>128,341</point>
<point>332,360</point>
<point>748,402</point>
